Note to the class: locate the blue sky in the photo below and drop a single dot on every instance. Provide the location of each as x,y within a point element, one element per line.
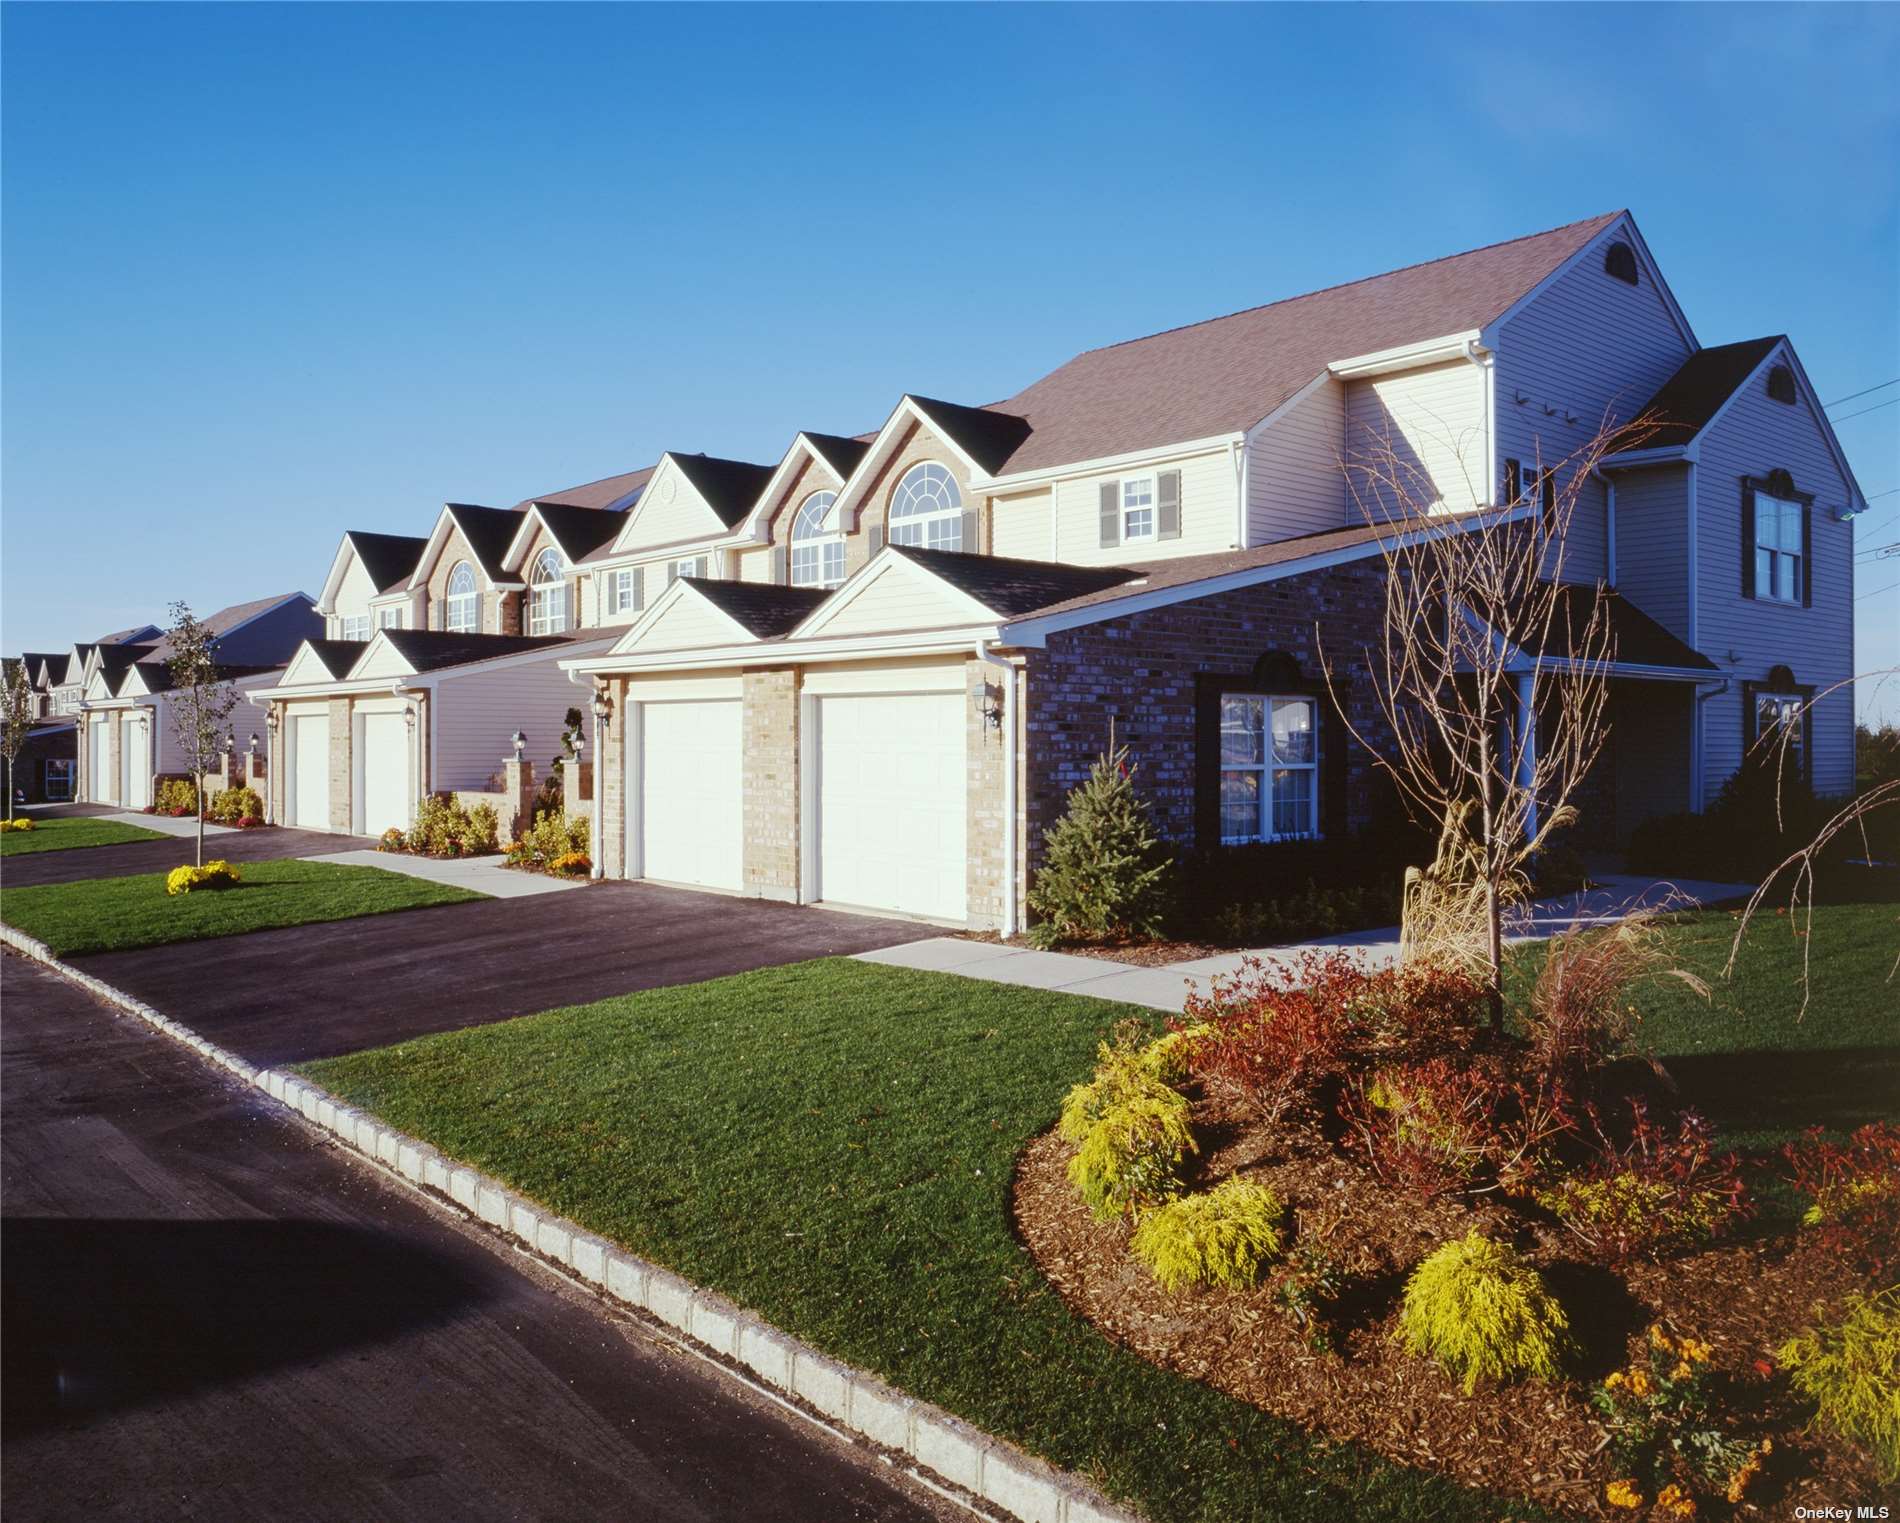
<point>272,272</point>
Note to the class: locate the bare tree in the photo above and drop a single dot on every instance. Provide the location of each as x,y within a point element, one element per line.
<point>1491,676</point>
<point>18,720</point>
<point>201,701</point>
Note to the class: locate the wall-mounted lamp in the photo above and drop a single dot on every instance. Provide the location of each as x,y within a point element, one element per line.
<point>272,718</point>
<point>602,706</point>
<point>520,743</point>
<point>992,707</point>
<point>409,717</point>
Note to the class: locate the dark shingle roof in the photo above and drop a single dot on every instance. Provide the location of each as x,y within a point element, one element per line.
<point>430,650</point>
<point>1696,392</point>
<point>158,675</point>
<point>1224,375</point>
<point>579,531</point>
<point>38,660</point>
<point>730,487</point>
<point>841,454</point>
<point>138,633</point>
<point>609,492</point>
<point>988,436</point>
<point>390,559</point>
<point>337,656</point>
<point>1013,587</point>
<point>1640,640</point>
<point>764,608</point>
<point>489,532</point>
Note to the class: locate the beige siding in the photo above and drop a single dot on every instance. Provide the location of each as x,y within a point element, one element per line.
<point>1020,526</point>
<point>1432,420</point>
<point>755,565</point>
<point>669,511</point>
<point>352,598</point>
<point>1652,543</point>
<point>689,622</point>
<point>476,713</point>
<point>1209,515</point>
<point>1588,348</point>
<point>900,598</point>
<point>1296,483</point>
<point>1746,636</point>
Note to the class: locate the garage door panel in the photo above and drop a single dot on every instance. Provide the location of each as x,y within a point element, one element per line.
<point>310,771</point>
<point>98,751</point>
<point>692,806</point>
<point>385,764</point>
<point>135,750</point>
<point>891,803</point>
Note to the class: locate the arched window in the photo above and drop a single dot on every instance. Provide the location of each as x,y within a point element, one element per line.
<point>927,509</point>
<point>461,607</point>
<point>817,554</point>
<point>1781,384</point>
<point>1619,260</point>
<point>547,596</point>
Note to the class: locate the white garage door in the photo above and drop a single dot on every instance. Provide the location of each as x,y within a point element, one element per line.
<point>891,789</point>
<point>135,748</point>
<point>310,771</point>
<point>691,801</point>
<point>99,787</point>
<point>385,779</point>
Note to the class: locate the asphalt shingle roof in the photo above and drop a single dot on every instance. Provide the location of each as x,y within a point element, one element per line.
<point>1682,408</point>
<point>580,531</point>
<point>1640,640</point>
<point>337,656</point>
<point>730,487</point>
<point>489,532</point>
<point>390,559</point>
<point>1015,587</point>
<point>608,492</point>
<point>841,454</point>
<point>430,650</point>
<point>764,608</point>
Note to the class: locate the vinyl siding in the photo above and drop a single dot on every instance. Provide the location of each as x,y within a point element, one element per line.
<point>1295,481</point>
<point>1746,636</point>
<point>916,444</point>
<point>899,599</point>
<point>476,713</point>
<point>1209,515</point>
<point>1020,527</point>
<point>1589,347</point>
<point>654,520</point>
<point>352,598</point>
<point>274,637</point>
<point>1652,543</point>
<point>689,622</point>
<point>1433,419</point>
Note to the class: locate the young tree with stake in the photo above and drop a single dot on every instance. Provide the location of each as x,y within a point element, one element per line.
<point>201,701</point>
<point>18,719</point>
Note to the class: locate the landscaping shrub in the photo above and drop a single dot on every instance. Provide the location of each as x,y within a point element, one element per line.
<point>1129,1067</point>
<point>1220,1237</point>
<point>1306,1290</point>
<point>1423,1009</point>
<point>572,864</point>
<point>1853,1193</point>
<point>1850,1369</point>
<point>23,822</point>
<point>177,796</point>
<point>446,827</point>
<point>233,806</point>
<point>552,836</point>
<point>1270,1034</point>
<point>185,880</point>
<point>1426,1127</point>
<point>1130,1156</point>
<point>1667,1434</point>
<point>1482,1314</point>
<point>392,840</point>
<point>1649,1194</point>
<point>1104,874</point>
<point>1306,913</point>
<point>1580,1016</point>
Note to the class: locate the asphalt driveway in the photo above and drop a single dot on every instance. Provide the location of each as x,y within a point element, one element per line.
<point>304,992</point>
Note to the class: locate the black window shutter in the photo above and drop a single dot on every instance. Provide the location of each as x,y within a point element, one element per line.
<point>1168,505</point>
<point>1207,760</point>
<point>1748,538</point>
<point>966,536</point>
<point>1807,555</point>
<point>1111,501</point>
<point>1549,494</point>
<point>1334,740</point>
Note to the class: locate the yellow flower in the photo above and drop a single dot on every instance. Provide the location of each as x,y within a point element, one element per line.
<point>1623,1494</point>
<point>1682,1371</point>
<point>1675,1501</point>
<point>1639,1383</point>
<point>1697,1353</point>
<point>1615,1378</point>
<point>1657,1336</point>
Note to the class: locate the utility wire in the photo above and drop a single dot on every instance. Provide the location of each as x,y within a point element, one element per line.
<point>1867,393</point>
<point>1862,412</point>
<point>1877,591</point>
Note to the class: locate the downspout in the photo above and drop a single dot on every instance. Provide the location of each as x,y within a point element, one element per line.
<point>1696,788</point>
<point>1008,671</point>
<point>1237,462</point>
<point>595,838</point>
<point>1484,360</point>
<point>412,707</point>
<point>1609,524</point>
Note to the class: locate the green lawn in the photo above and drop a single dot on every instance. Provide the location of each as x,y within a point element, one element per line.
<point>109,914</point>
<point>65,831</point>
<point>831,1144</point>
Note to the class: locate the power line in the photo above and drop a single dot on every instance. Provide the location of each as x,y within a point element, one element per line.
<point>1877,591</point>
<point>1862,412</point>
<point>1868,392</point>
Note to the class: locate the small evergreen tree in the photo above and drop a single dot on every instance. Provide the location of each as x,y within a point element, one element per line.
<point>1104,874</point>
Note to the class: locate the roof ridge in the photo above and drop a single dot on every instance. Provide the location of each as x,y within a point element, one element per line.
<point>1345,285</point>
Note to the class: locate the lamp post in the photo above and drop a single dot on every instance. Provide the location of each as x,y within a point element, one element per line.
<point>272,769</point>
<point>602,709</point>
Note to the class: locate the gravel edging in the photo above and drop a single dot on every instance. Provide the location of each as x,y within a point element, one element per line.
<point>953,1451</point>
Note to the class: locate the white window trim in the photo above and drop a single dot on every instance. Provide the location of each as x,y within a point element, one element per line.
<point>454,603</point>
<point>821,550</point>
<point>1777,556</point>
<point>620,590</point>
<point>901,529</point>
<point>548,611</point>
<point>1267,766</point>
<point>1151,486</point>
<point>389,618</point>
<point>353,626</point>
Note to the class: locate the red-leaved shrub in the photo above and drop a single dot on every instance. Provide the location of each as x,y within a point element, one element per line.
<point>1423,1009</point>
<point>1451,1123</point>
<point>1853,1193</point>
<point>1268,1035</point>
<point>1648,1192</point>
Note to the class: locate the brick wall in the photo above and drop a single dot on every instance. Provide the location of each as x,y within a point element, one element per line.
<point>611,755</point>
<point>771,783</point>
<point>1139,672</point>
<point>342,790</point>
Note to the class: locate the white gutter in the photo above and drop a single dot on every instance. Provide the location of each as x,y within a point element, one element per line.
<point>1609,525</point>
<point>1432,351</point>
<point>936,642</point>
<point>1486,361</point>
<point>594,837</point>
<point>1008,671</point>
<point>1101,465</point>
<point>1695,744</point>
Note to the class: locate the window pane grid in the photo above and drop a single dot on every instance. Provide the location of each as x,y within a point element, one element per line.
<point>1269,781</point>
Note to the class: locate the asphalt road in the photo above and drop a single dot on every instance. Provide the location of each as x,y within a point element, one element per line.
<point>209,1313</point>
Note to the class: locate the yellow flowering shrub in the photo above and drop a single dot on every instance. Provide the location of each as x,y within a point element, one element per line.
<point>1220,1237</point>
<point>1482,1313</point>
<point>1666,1432</point>
<point>218,874</point>
<point>1850,1370</point>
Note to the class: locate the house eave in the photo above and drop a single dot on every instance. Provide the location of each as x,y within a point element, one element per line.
<point>927,642</point>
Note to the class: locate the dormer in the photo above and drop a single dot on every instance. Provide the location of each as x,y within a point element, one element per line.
<point>547,552</point>
<point>368,585</point>
<point>459,580</point>
<point>791,521</point>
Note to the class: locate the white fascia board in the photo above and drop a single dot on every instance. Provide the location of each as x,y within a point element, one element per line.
<point>1662,454</point>
<point>881,566</point>
<point>1013,480</point>
<point>674,550</point>
<point>1430,351</point>
<point>923,642</point>
<point>333,583</point>
<point>753,524</point>
<point>1287,406</point>
<point>551,656</point>
<point>1631,669</point>
<point>402,597</point>
<point>1032,632</point>
<point>379,641</point>
<point>432,551</point>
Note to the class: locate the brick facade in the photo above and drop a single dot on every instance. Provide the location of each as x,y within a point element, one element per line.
<point>771,783</point>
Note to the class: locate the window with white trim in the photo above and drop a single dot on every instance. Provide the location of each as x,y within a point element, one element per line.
<point>389,618</point>
<point>461,608</point>
<point>60,771</point>
<point>927,509</point>
<point>817,554</point>
<point>623,590</point>
<point>691,565</point>
<point>1778,525</point>
<point>1269,768</point>
<point>1138,508</point>
<point>354,626</point>
<point>547,595</point>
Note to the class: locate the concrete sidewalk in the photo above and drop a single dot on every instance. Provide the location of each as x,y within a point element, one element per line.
<point>1167,988</point>
<point>483,875</point>
<point>169,825</point>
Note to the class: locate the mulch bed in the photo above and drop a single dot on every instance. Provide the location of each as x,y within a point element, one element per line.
<point>1526,1439</point>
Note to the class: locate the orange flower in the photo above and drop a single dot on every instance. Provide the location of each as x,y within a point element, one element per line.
<point>1639,1383</point>
<point>1675,1501</point>
<point>1623,1494</point>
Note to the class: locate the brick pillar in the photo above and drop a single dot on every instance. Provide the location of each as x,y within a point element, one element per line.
<point>610,752</point>
<point>256,771</point>
<point>115,766</point>
<point>277,737</point>
<point>577,787</point>
<point>517,782</point>
<point>342,779</point>
<point>770,787</point>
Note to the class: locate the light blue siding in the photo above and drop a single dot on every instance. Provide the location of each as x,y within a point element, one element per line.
<point>1652,543</point>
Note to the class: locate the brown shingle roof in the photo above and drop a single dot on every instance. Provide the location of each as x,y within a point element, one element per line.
<point>607,492</point>
<point>1226,374</point>
<point>429,650</point>
<point>1012,587</point>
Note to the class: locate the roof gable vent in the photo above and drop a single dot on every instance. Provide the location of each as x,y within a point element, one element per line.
<point>1781,385</point>
<point>1619,260</point>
